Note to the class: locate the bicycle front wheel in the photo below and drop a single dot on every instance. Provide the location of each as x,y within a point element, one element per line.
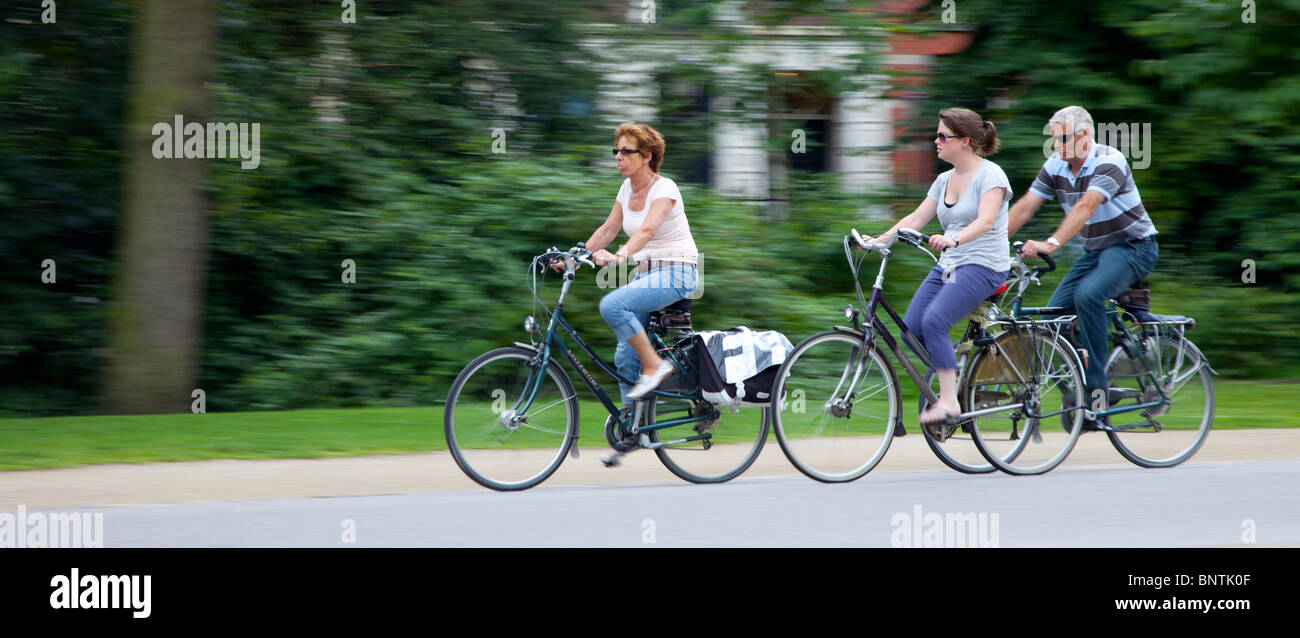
<point>1027,378</point>
<point>508,421</point>
<point>1164,435</point>
<point>735,440</point>
<point>835,405</point>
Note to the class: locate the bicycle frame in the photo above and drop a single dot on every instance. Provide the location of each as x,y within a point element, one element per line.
<point>877,327</point>
<point>553,341</point>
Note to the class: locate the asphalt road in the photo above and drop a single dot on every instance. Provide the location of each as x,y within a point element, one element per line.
<point>1195,505</point>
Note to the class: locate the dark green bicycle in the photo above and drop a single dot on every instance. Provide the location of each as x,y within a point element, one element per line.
<point>1161,399</point>
<point>512,413</point>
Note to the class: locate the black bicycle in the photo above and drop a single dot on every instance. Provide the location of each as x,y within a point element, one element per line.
<point>512,413</point>
<point>836,402</point>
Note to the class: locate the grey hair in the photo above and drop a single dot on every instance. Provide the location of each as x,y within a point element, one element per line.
<point>1074,119</point>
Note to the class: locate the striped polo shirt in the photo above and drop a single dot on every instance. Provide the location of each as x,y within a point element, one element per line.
<point>1121,216</point>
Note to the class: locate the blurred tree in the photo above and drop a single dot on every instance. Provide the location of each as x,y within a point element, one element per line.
<point>157,298</point>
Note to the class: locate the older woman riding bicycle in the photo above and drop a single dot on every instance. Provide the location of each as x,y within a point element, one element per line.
<point>649,209</point>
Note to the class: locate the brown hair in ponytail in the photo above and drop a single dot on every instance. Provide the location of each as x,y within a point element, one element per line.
<point>983,134</point>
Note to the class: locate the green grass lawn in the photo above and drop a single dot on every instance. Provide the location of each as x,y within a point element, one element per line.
<point>68,441</point>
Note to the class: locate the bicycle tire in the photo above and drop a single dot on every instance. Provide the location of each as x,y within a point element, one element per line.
<point>1004,444</point>
<point>711,462</point>
<point>819,444</point>
<point>478,428</point>
<point>1192,404</point>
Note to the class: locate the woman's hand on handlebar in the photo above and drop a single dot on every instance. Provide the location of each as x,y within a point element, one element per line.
<point>941,243</point>
<point>604,258</point>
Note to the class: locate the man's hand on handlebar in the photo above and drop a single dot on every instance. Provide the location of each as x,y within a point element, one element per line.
<point>1035,248</point>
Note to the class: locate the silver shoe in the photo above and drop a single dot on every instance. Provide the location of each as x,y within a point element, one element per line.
<point>647,383</point>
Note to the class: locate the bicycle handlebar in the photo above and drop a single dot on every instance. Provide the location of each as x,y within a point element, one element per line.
<point>1051,263</point>
<point>579,252</point>
<point>906,235</point>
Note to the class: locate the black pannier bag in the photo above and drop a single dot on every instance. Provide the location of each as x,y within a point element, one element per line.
<point>738,367</point>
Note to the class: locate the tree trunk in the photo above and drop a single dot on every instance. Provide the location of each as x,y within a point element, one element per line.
<point>157,298</point>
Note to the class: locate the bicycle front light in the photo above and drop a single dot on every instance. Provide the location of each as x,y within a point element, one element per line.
<point>849,312</point>
<point>530,324</point>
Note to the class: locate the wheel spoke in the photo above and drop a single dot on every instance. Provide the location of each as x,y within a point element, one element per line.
<point>549,405</point>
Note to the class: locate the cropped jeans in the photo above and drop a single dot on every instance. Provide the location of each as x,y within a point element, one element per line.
<point>627,310</point>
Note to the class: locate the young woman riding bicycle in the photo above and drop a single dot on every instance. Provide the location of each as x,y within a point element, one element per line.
<point>971,203</point>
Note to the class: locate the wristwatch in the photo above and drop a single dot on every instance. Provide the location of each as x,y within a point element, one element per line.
<point>1052,241</point>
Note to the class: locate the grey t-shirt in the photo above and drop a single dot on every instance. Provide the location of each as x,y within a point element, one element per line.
<point>991,249</point>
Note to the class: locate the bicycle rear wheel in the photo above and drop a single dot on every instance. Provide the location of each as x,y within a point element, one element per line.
<point>1029,375</point>
<point>508,423</point>
<point>735,440</point>
<point>1166,435</point>
<point>835,406</point>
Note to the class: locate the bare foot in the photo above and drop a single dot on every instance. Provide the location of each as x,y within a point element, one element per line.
<point>940,411</point>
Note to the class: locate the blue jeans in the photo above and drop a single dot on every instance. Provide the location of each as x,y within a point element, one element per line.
<point>1097,276</point>
<point>627,310</point>
<point>941,302</point>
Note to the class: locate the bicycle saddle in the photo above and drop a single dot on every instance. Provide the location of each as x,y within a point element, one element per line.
<point>676,316</point>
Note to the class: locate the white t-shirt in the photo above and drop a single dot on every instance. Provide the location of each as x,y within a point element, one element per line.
<point>673,241</point>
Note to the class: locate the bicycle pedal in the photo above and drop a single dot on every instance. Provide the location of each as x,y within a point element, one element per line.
<point>613,459</point>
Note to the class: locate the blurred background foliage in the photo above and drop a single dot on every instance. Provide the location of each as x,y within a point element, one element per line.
<point>376,147</point>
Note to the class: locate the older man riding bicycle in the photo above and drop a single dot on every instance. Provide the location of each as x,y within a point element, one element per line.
<point>1095,186</point>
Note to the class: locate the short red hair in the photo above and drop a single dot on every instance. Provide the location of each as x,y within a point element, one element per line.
<point>647,140</point>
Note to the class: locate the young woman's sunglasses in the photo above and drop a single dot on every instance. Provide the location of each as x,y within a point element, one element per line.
<point>945,138</point>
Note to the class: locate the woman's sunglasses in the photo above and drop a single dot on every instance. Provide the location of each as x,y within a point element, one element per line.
<point>945,138</point>
<point>625,151</point>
